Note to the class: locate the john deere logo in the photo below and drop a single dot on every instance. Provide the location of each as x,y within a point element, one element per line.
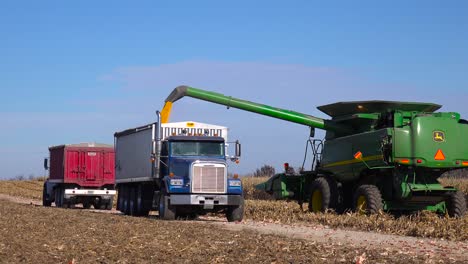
<point>439,136</point>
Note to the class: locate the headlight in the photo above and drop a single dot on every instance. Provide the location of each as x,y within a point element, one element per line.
<point>235,183</point>
<point>177,182</point>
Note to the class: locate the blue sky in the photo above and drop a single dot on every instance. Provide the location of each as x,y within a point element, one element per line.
<point>75,71</point>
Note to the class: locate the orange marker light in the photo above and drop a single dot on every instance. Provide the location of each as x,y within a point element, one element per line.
<point>358,155</point>
<point>405,161</point>
<point>171,174</point>
<point>465,163</point>
<point>439,155</point>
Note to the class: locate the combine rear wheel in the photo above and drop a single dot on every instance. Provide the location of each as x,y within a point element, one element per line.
<point>367,200</point>
<point>323,195</point>
<point>456,204</point>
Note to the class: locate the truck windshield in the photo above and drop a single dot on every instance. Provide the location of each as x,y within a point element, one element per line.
<point>191,148</point>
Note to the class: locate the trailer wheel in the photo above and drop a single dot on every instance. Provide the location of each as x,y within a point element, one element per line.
<point>45,196</point>
<point>86,204</point>
<point>59,197</point>
<point>109,204</point>
<point>236,213</point>
<point>367,200</point>
<point>126,203</point>
<point>323,195</point>
<point>142,208</point>
<point>132,201</point>
<point>456,204</point>
<point>166,211</point>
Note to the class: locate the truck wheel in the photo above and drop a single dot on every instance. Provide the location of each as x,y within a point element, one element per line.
<point>236,213</point>
<point>456,204</point>
<point>109,204</point>
<point>367,200</point>
<point>132,203</point>
<point>45,196</point>
<point>142,208</point>
<point>125,207</point>
<point>166,211</point>
<point>119,199</point>
<point>58,197</point>
<point>323,195</point>
<point>86,205</point>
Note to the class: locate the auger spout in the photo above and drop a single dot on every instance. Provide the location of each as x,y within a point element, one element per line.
<point>262,109</point>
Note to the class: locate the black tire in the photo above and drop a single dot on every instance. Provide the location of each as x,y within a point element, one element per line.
<point>109,204</point>
<point>236,213</point>
<point>126,202</point>
<point>45,197</point>
<point>367,200</point>
<point>142,207</point>
<point>86,205</point>
<point>166,211</point>
<point>119,199</point>
<point>132,201</point>
<point>323,195</point>
<point>59,201</point>
<point>456,204</point>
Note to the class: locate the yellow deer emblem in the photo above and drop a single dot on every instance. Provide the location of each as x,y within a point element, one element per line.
<point>439,136</point>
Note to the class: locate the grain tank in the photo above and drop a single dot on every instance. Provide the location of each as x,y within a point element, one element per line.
<point>376,154</point>
<point>80,173</point>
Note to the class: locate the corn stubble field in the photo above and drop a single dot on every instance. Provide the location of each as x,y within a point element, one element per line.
<point>64,235</point>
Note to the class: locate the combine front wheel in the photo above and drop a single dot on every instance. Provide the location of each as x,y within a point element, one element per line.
<point>367,200</point>
<point>323,195</point>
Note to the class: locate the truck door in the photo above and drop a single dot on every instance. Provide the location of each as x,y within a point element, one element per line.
<point>92,167</point>
<point>108,167</point>
<point>74,173</point>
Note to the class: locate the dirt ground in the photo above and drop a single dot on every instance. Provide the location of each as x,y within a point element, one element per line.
<point>33,234</point>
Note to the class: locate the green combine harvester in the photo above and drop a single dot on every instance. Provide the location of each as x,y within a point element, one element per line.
<point>377,155</point>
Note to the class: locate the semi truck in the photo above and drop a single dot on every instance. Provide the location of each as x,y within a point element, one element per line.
<point>80,173</point>
<point>178,169</point>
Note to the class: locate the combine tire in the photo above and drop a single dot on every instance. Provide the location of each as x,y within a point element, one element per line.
<point>236,213</point>
<point>323,195</point>
<point>456,204</point>
<point>45,201</point>
<point>166,211</point>
<point>367,200</point>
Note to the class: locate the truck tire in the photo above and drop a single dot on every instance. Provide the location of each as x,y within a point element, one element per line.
<point>59,201</point>
<point>45,196</point>
<point>367,200</point>
<point>236,213</point>
<point>323,195</point>
<point>142,207</point>
<point>126,203</point>
<point>86,204</point>
<point>456,204</point>
<point>119,199</point>
<point>132,201</point>
<point>109,204</point>
<point>166,211</point>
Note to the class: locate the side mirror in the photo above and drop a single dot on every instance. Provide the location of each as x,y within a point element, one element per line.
<point>238,149</point>
<point>46,164</point>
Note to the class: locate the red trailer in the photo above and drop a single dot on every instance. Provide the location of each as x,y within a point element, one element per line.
<point>80,173</point>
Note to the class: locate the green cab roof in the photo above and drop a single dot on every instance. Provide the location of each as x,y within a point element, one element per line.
<point>376,106</point>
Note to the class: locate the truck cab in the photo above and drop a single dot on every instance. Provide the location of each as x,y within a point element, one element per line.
<point>188,173</point>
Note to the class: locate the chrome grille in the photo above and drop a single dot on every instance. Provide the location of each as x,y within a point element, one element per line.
<point>209,178</point>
